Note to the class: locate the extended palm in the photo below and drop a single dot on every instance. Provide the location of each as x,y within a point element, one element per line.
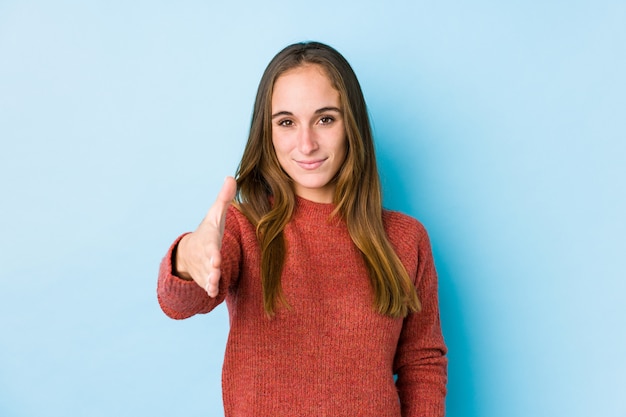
<point>198,255</point>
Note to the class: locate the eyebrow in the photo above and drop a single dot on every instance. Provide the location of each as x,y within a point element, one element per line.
<point>318,111</point>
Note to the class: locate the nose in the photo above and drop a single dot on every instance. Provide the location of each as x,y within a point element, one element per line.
<point>307,142</point>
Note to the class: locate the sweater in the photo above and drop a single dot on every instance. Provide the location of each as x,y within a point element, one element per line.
<point>331,353</point>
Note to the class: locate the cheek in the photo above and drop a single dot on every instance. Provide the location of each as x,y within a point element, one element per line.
<point>279,148</point>
<point>284,144</point>
<point>278,140</point>
<point>342,149</point>
<point>281,152</point>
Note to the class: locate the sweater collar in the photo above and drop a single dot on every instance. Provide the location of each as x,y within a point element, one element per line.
<point>313,211</point>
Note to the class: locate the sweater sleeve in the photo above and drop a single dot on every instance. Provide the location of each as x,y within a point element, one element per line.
<point>179,298</point>
<point>420,362</point>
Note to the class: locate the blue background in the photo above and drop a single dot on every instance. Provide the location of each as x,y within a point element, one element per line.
<point>500,125</point>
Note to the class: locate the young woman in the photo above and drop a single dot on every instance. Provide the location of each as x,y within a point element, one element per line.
<point>329,295</point>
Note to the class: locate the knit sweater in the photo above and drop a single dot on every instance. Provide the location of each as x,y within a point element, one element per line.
<point>331,353</point>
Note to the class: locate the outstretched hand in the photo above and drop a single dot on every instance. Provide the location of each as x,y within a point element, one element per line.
<point>198,255</point>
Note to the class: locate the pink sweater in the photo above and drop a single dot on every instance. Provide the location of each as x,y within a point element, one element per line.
<point>332,354</point>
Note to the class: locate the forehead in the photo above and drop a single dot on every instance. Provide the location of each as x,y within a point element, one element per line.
<point>302,85</point>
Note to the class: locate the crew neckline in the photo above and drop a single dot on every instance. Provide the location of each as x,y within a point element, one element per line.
<point>313,210</point>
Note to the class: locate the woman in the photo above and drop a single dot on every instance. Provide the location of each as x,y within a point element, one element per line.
<point>329,295</point>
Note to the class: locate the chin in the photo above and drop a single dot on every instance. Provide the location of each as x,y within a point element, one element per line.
<point>313,185</point>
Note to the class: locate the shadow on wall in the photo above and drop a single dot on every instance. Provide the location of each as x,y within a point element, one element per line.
<point>402,172</point>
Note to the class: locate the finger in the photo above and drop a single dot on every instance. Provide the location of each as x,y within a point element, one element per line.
<point>215,260</point>
<point>211,273</point>
<point>217,213</point>
<point>213,279</point>
<point>225,196</point>
<point>228,191</point>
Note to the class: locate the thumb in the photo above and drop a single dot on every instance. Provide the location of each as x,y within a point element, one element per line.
<point>228,191</point>
<point>217,212</point>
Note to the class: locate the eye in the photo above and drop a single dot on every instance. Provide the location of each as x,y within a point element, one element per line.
<point>285,123</point>
<point>326,120</point>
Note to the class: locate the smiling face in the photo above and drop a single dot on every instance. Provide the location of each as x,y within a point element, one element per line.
<point>308,131</point>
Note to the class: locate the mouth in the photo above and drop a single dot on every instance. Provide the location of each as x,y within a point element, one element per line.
<point>310,165</point>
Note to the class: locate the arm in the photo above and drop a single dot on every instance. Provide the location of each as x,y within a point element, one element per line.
<point>190,277</point>
<point>420,361</point>
<point>179,298</point>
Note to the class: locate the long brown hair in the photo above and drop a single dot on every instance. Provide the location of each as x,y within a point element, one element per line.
<point>265,193</point>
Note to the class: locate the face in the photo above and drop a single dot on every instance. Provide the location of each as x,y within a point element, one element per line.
<point>308,131</point>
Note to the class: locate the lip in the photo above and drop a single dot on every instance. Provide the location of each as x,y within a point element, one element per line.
<point>310,165</point>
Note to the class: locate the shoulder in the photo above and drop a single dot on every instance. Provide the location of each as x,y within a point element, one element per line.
<point>409,238</point>
<point>403,226</point>
<point>237,223</point>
